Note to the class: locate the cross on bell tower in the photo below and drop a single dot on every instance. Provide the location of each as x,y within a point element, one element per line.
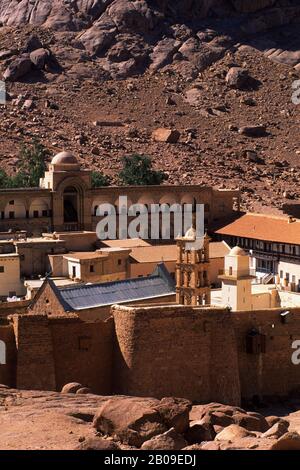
<point>192,270</point>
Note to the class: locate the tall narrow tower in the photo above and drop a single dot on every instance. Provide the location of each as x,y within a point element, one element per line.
<point>237,280</point>
<point>192,270</point>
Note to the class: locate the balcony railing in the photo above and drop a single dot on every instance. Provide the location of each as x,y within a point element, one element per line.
<point>274,255</point>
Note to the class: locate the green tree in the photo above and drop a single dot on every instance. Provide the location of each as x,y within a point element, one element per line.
<point>99,179</point>
<point>137,170</point>
<point>30,169</point>
<point>4,180</point>
<point>31,165</point>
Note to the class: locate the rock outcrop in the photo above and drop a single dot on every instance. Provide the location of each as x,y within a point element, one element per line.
<point>92,422</point>
<point>129,36</point>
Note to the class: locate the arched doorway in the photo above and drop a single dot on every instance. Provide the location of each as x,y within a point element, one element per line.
<point>71,209</point>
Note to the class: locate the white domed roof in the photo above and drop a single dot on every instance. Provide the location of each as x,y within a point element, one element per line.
<point>64,158</point>
<point>190,233</point>
<point>237,251</point>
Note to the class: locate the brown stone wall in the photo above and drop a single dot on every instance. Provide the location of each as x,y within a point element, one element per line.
<point>272,372</point>
<point>53,351</point>
<point>8,370</point>
<point>35,363</point>
<point>83,353</point>
<point>46,302</point>
<point>10,308</point>
<point>176,351</point>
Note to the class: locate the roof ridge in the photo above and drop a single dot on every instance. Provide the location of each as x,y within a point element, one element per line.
<point>271,216</point>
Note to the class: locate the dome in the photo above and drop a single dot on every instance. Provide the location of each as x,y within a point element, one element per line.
<point>64,158</point>
<point>191,233</point>
<point>237,251</point>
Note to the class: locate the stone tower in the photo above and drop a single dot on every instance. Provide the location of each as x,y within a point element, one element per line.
<point>192,270</point>
<point>237,280</point>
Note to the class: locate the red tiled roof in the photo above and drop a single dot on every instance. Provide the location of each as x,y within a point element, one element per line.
<point>264,227</point>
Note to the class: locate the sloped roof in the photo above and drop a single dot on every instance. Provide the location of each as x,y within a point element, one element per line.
<point>125,243</point>
<point>165,253</point>
<point>264,227</point>
<point>82,297</point>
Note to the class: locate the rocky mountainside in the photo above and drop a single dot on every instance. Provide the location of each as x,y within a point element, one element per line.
<point>99,76</point>
<point>38,420</point>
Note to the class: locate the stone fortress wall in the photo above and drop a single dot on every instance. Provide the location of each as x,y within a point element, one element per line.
<point>204,354</point>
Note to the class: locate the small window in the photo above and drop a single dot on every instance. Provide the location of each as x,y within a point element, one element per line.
<point>255,343</point>
<point>281,274</point>
<point>92,268</point>
<point>11,215</point>
<point>293,279</point>
<point>230,271</point>
<point>73,271</point>
<point>119,262</point>
<point>11,203</point>
<point>35,214</point>
<point>287,276</point>
<point>45,213</point>
<point>1,269</point>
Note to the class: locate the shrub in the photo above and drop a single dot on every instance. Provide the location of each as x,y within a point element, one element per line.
<point>137,170</point>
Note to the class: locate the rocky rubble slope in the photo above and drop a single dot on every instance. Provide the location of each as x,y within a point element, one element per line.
<point>82,421</point>
<point>98,77</point>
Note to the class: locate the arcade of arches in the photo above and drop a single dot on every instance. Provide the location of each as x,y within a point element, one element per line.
<point>66,201</point>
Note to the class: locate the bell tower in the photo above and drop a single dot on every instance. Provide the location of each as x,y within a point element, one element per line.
<point>192,270</point>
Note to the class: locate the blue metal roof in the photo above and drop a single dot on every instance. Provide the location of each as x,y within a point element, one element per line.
<point>160,283</point>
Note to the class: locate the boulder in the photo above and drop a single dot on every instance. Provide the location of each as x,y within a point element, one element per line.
<point>219,418</point>
<point>192,448</point>
<point>6,53</point>
<point>97,443</point>
<point>237,77</point>
<point>289,441</point>
<point>71,387</point>
<point>83,391</point>
<point>271,420</point>
<point>163,53</point>
<point>17,69</point>
<point>251,422</point>
<point>253,131</point>
<point>199,411</point>
<point>132,420</point>
<point>277,430</point>
<point>175,413</point>
<point>200,431</point>
<point>209,446</point>
<point>33,43</point>
<point>169,136</point>
<point>28,105</point>
<point>169,440</point>
<point>39,57</point>
<point>247,443</point>
<point>233,432</point>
